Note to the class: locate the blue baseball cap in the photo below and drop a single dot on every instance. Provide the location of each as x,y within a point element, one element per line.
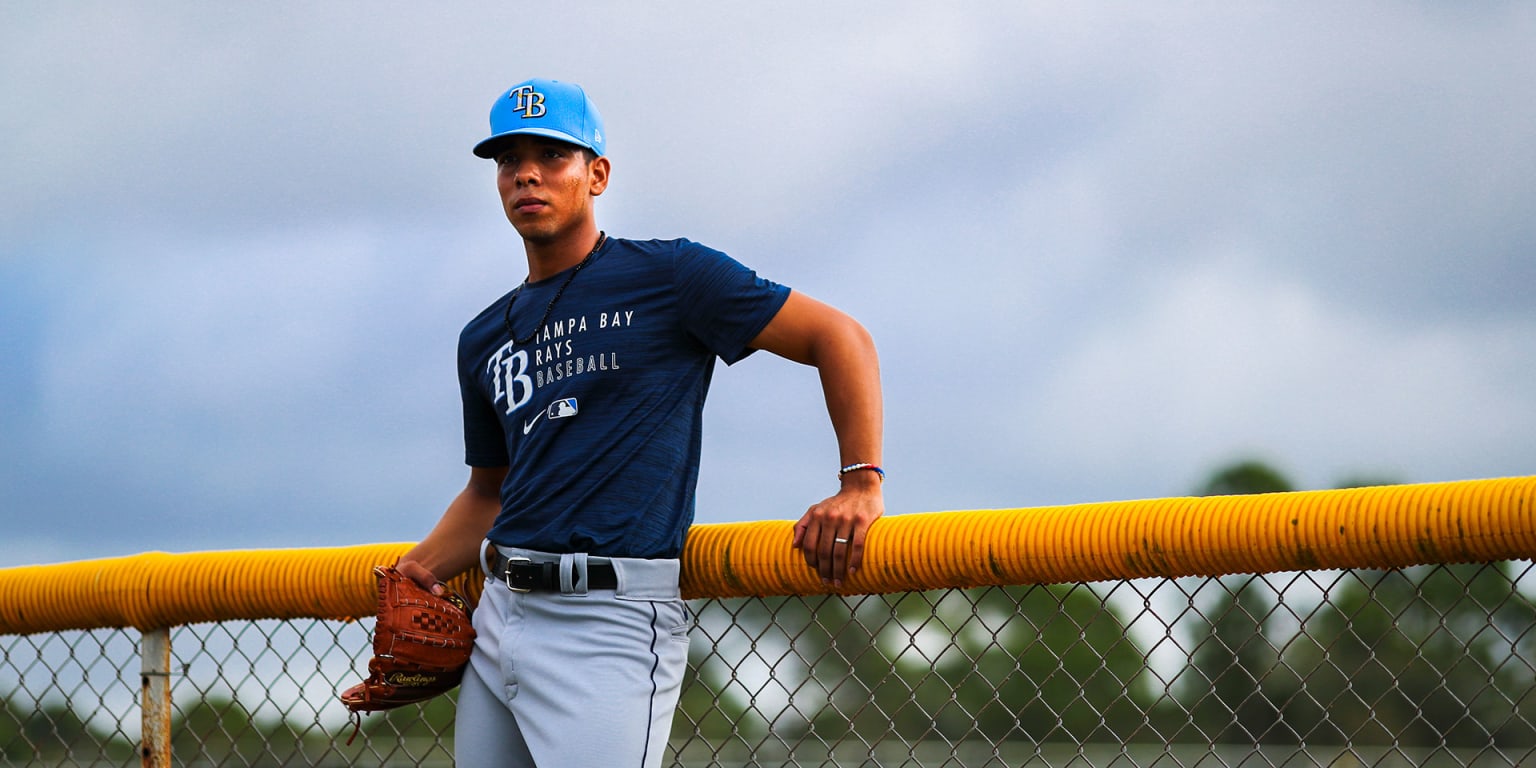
<point>545,108</point>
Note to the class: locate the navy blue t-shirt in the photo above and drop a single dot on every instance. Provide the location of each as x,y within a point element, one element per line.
<point>599,417</point>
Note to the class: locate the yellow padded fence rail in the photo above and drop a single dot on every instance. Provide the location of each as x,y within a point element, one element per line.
<point>1377,527</point>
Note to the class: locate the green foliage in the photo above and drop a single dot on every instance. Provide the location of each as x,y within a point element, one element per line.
<point>52,732</point>
<point>216,728</point>
<point>1249,476</point>
<point>1423,657</point>
<point>1011,663</point>
<point>1411,657</point>
<point>1222,690</point>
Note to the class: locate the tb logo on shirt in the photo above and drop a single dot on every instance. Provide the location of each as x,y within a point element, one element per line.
<point>509,377</point>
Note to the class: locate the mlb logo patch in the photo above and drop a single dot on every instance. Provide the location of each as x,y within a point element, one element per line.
<point>559,409</point>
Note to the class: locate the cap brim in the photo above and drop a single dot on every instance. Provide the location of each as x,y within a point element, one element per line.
<point>490,147</point>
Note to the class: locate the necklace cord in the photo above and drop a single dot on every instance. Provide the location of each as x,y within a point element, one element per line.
<point>602,237</point>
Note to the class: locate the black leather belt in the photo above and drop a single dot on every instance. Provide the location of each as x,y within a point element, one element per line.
<point>523,575</point>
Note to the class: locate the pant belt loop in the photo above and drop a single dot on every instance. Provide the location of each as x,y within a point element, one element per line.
<point>573,574</point>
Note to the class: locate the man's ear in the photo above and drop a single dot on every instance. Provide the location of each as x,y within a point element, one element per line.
<point>598,169</point>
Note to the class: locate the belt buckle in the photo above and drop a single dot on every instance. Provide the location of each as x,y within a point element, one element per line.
<point>506,573</point>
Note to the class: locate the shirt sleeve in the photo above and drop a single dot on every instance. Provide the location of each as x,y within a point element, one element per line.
<point>721,302</point>
<point>485,444</point>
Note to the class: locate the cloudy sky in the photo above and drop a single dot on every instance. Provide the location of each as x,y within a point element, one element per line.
<point>1104,249</point>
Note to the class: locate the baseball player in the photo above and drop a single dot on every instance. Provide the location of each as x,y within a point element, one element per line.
<point>583,390</point>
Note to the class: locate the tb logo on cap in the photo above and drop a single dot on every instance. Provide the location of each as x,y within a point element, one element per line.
<point>528,101</point>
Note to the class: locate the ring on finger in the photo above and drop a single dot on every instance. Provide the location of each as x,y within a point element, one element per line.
<point>836,540</point>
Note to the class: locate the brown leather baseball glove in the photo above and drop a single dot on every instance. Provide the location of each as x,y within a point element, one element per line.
<point>420,646</point>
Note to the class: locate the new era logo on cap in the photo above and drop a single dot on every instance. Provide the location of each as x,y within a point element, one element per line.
<point>545,108</point>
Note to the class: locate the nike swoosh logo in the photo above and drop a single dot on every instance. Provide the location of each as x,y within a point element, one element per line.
<point>528,425</point>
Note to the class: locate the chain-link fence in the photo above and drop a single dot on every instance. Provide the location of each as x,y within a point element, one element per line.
<point>1431,665</point>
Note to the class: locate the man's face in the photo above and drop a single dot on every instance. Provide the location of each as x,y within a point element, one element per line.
<point>547,186</point>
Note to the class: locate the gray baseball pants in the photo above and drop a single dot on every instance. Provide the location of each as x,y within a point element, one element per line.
<point>575,678</point>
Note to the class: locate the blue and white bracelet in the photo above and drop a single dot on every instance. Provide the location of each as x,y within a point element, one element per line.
<point>861,466</point>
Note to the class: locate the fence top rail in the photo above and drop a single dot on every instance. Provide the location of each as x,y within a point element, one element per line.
<point>1375,527</point>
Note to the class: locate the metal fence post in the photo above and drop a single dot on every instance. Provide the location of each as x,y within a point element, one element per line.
<point>155,742</point>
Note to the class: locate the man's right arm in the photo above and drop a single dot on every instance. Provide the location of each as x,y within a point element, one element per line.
<point>453,546</point>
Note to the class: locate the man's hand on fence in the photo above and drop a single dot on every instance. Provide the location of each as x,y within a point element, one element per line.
<point>831,533</point>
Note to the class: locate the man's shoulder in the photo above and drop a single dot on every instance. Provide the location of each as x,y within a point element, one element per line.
<point>680,254</point>
<point>661,247</point>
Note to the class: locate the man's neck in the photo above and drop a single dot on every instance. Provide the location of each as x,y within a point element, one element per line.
<point>551,257</point>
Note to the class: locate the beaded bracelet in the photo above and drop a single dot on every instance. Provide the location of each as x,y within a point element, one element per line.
<point>859,466</point>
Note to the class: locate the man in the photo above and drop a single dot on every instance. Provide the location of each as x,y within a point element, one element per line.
<point>583,390</point>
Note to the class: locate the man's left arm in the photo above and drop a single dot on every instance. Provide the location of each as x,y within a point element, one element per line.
<point>831,533</point>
